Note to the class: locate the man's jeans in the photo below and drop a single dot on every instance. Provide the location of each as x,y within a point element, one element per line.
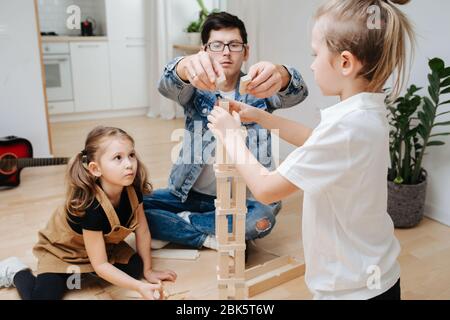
<point>161,208</point>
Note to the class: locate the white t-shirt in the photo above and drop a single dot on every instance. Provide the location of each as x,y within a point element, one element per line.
<point>348,236</point>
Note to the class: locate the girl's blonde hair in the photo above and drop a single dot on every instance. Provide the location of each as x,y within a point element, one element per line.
<point>81,184</point>
<point>382,51</point>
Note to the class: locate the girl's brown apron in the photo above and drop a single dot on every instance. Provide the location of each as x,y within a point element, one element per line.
<point>61,250</point>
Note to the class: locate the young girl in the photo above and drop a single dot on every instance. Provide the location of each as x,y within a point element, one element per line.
<point>104,205</point>
<point>349,244</point>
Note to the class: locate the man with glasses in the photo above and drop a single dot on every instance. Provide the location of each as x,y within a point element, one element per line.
<point>184,213</point>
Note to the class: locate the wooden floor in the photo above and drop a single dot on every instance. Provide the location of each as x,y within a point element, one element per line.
<point>425,257</point>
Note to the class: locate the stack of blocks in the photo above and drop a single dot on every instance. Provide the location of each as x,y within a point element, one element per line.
<point>231,200</point>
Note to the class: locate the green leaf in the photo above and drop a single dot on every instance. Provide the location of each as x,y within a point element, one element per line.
<point>436,64</point>
<point>435,143</point>
<point>434,81</point>
<point>442,124</point>
<point>429,108</point>
<point>441,114</point>
<point>424,119</point>
<point>446,82</point>
<point>398,180</point>
<point>440,134</point>
<point>443,73</point>
<point>445,91</point>
<point>434,94</point>
<point>445,102</point>
<point>422,131</point>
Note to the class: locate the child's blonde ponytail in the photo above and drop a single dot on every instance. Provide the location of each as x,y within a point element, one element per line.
<point>383,51</point>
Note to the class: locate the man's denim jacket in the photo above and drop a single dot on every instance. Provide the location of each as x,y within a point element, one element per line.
<point>199,143</point>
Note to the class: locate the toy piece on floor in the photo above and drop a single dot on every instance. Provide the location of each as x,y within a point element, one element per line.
<point>177,254</point>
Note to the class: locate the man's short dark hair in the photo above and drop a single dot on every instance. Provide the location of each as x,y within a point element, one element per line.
<point>222,20</point>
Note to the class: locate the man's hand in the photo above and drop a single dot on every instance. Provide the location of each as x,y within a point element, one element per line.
<point>201,70</point>
<point>267,79</point>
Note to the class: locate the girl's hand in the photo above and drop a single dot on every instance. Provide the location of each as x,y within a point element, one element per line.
<point>151,291</point>
<point>246,112</point>
<point>158,276</point>
<point>221,123</point>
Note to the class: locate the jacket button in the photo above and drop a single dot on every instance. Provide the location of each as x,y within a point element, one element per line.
<point>205,110</point>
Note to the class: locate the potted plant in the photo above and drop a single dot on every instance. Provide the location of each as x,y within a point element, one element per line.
<point>194,28</point>
<point>415,121</point>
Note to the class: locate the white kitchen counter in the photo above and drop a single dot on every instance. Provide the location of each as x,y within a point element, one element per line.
<point>72,38</point>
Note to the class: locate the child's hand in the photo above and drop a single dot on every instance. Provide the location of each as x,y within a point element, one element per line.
<point>148,291</point>
<point>157,276</point>
<point>222,123</point>
<point>246,112</point>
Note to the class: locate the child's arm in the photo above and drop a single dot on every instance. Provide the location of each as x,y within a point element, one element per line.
<point>95,247</point>
<point>143,239</point>
<point>267,187</point>
<point>290,131</point>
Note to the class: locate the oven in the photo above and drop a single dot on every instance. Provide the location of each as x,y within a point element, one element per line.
<point>58,76</point>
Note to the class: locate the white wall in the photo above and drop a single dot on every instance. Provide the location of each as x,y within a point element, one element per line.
<point>280,31</point>
<point>22,104</point>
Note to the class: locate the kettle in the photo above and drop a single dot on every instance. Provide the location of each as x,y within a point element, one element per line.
<point>88,27</point>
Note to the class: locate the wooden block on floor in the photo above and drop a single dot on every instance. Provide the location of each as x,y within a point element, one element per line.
<point>271,274</point>
<point>177,254</point>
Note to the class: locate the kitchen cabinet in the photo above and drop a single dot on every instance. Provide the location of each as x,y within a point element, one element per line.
<point>128,74</point>
<point>91,76</point>
<point>128,47</point>
<point>125,20</point>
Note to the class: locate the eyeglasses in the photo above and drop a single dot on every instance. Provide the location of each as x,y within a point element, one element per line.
<point>218,46</point>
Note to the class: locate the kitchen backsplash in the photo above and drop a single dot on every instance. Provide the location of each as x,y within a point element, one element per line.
<point>53,15</point>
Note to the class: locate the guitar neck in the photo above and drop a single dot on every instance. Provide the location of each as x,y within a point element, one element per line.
<point>40,162</point>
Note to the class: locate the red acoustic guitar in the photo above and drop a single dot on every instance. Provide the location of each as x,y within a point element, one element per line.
<point>16,154</point>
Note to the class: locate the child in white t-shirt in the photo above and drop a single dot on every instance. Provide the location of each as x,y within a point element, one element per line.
<point>349,244</point>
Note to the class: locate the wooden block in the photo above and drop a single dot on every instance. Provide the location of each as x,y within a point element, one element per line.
<point>222,229</point>
<point>176,254</point>
<point>227,174</point>
<point>240,228</point>
<point>231,246</point>
<point>272,274</point>
<point>223,291</point>
<point>232,211</point>
<point>241,193</point>
<point>220,82</point>
<point>223,265</point>
<point>220,152</point>
<point>245,80</point>
<point>230,281</point>
<point>240,291</point>
<point>224,104</point>
<point>239,263</point>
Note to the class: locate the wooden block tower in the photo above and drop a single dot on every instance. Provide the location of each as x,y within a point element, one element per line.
<point>231,201</point>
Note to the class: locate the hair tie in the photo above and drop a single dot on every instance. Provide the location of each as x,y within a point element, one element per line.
<point>84,156</point>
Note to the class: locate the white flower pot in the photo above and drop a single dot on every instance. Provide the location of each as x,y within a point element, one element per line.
<point>194,38</point>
